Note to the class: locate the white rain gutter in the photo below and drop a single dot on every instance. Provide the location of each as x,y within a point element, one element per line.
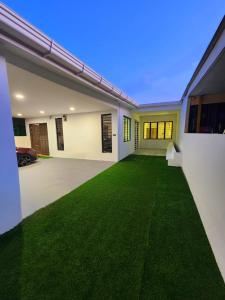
<point>17,29</point>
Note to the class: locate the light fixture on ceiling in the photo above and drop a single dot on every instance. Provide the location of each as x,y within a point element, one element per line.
<point>42,112</point>
<point>19,96</point>
<point>72,108</point>
<point>19,115</point>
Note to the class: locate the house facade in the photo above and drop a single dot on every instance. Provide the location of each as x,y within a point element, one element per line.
<point>63,108</point>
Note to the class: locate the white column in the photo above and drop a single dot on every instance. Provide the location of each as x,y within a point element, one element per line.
<point>10,210</point>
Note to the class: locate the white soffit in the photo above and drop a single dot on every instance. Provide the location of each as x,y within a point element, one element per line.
<point>31,94</point>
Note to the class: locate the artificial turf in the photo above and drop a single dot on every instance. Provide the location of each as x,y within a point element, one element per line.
<point>44,156</point>
<point>132,232</point>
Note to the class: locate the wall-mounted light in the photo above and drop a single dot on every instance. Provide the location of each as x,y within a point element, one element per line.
<point>19,96</point>
<point>65,118</point>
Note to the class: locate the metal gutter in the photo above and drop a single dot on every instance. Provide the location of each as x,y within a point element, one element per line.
<point>206,54</point>
<point>14,28</point>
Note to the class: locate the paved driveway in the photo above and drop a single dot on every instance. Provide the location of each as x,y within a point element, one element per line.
<point>49,179</point>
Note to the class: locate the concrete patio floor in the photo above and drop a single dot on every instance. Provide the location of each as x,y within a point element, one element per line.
<point>49,179</point>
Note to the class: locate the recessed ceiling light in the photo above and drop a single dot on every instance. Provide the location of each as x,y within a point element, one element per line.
<point>72,108</point>
<point>19,96</point>
<point>42,111</point>
<point>19,115</point>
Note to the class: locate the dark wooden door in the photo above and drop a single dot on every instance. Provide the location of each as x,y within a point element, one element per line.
<point>39,138</point>
<point>107,133</point>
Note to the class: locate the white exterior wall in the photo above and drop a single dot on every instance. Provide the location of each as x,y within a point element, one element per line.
<point>10,210</point>
<point>22,141</point>
<point>82,136</point>
<point>125,148</point>
<point>158,144</point>
<point>204,167</point>
<point>203,163</point>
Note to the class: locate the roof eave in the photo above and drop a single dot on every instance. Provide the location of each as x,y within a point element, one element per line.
<point>206,54</point>
<point>22,33</point>
<point>161,104</point>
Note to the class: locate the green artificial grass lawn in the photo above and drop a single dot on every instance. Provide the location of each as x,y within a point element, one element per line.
<point>132,232</point>
<point>44,156</point>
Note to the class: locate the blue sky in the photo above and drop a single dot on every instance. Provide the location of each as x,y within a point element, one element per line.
<point>147,48</point>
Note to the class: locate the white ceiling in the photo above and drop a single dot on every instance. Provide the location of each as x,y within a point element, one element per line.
<point>213,82</point>
<point>41,94</point>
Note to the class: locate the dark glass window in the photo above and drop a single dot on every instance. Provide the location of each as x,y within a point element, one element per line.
<point>126,129</point>
<point>192,126</point>
<point>106,133</point>
<point>19,127</point>
<point>59,133</point>
<point>213,118</point>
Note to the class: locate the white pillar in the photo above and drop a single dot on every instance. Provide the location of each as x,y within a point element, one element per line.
<point>10,210</point>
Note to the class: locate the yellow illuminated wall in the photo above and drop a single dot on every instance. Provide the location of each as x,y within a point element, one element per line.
<point>158,130</point>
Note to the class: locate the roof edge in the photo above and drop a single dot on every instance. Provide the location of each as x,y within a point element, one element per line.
<point>206,54</point>
<point>18,29</point>
<point>156,104</point>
